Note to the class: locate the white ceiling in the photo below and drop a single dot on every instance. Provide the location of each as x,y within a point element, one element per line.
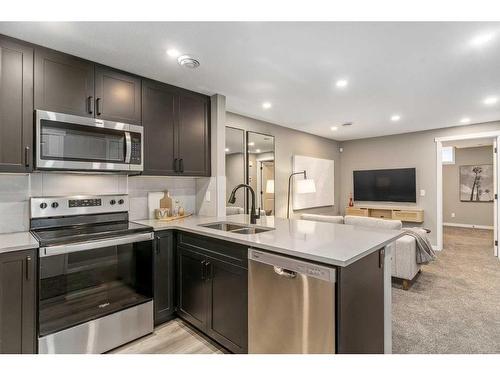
<point>429,73</point>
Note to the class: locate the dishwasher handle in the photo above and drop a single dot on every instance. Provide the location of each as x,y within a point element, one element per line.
<point>291,267</point>
<point>285,273</point>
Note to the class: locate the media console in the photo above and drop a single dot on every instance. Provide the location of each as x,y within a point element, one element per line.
<point>403,213</point>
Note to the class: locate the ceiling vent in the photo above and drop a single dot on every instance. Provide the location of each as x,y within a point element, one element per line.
<point>347,124</point>
<point>188,62</point>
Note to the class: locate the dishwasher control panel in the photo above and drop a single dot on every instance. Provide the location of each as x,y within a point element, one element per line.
<point>288,266</point>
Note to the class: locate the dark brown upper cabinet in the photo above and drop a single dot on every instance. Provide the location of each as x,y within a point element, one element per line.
<point>68,84</point>
<point>193,135</point>
<point>16,106</point>
<point>158,120</point>
<point>63,83</point>
<point>118,96</point>
<point>176,128</point>
<point>18,302</point>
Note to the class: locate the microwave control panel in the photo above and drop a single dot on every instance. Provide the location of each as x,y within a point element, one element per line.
<point>136,154</point>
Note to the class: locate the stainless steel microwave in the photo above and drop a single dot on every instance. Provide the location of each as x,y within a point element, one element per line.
<point>75,143</point>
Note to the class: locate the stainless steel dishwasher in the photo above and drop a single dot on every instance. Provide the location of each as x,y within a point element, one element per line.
<point>291,305</point>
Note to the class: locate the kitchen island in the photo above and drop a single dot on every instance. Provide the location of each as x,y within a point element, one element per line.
<point>359,256</point>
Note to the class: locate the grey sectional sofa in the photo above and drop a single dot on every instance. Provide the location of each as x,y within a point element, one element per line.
<point>404,265</point>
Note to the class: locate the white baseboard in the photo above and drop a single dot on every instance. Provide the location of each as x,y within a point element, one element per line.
<point>473,226</point>
<point>436,248</point>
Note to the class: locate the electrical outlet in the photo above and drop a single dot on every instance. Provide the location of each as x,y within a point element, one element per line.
<point>422,192</point>
<point>452,214</point>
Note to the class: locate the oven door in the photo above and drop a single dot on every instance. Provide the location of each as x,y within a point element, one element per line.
<point>85,281</point>
<point>67,142</point>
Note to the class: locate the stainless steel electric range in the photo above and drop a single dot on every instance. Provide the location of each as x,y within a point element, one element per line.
<point>95,274</point>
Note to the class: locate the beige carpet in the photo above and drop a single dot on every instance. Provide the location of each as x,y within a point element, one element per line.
<point>454,305</point>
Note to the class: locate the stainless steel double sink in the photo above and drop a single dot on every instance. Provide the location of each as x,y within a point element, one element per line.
<point>235,228</point>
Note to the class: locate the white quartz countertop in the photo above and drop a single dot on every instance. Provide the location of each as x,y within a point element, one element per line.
<point>17,241</point>
<point>334,244</point>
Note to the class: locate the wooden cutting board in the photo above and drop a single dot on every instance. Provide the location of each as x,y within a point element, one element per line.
<point>172,218</point>
<point>166,201</point>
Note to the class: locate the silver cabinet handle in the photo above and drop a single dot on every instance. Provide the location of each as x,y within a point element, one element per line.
<point>28,268</point>
<point>27,156</point>
<point>98,106</point>
<point>285,273</point>
<point>90,104</point>
<point>88,245</point>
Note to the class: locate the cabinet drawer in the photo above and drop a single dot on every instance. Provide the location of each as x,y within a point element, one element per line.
<point>412,216</point>
<point>354,211</point>
<point>381,214</point>
<point>226,251</point>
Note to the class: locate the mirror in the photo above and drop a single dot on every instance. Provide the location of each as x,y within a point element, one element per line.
<point>260,171</point>
<point>235,169</point>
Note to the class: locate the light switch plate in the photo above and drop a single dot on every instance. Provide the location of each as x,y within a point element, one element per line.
<point>207,196</point>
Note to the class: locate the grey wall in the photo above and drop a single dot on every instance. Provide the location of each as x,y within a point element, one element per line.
<point>403,150</point>
<point>471,213</point>
<point>289,142</point>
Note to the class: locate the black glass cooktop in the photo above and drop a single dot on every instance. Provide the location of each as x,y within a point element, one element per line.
<point>90,232</point>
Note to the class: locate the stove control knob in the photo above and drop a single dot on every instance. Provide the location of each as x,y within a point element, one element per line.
<point>112,202</point>
<point>121,201</point>
<point>55,205</point>
<point>43,206</point>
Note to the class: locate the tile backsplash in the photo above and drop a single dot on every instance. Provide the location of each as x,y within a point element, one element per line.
<point>16,189</point>
<point>181,188</point>
<point>14,202</point>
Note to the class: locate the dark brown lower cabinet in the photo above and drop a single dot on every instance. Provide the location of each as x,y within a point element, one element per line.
<point>18,302</point>
<point>212,289</point>
<point>360,306</point>
<point>164,277</point>
<point>228,305</point>
<point>192,290</point>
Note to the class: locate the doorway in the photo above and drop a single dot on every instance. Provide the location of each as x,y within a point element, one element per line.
<point>467,188</point>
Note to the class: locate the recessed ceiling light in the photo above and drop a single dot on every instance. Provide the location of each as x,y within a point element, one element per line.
<point>172,52</point>
<point>482,39</point>
<point>266,105</point>
<point>465,120</point>
<point>334,128</point>
<point>188,62</point>
<point>258,150</point>
<point>395,117</point>
<point>490,100</point>
<point>227,150</point>
<point>251,143</point>
<point>341,83</point>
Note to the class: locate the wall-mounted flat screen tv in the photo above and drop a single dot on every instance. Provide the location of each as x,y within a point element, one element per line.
<point>387,185</point>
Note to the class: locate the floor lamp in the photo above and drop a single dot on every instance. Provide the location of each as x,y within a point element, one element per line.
<point>303,186</point>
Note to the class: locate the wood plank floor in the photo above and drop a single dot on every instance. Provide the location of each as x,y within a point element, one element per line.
<point>173,337</point>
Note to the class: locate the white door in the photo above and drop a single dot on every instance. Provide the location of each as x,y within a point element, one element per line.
<point>496,165</point>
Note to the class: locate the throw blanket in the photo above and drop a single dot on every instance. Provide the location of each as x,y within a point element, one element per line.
<point>425,253</point>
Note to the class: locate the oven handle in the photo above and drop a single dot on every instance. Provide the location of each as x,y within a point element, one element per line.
<point>81,246</point>
<point>128,147</point>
